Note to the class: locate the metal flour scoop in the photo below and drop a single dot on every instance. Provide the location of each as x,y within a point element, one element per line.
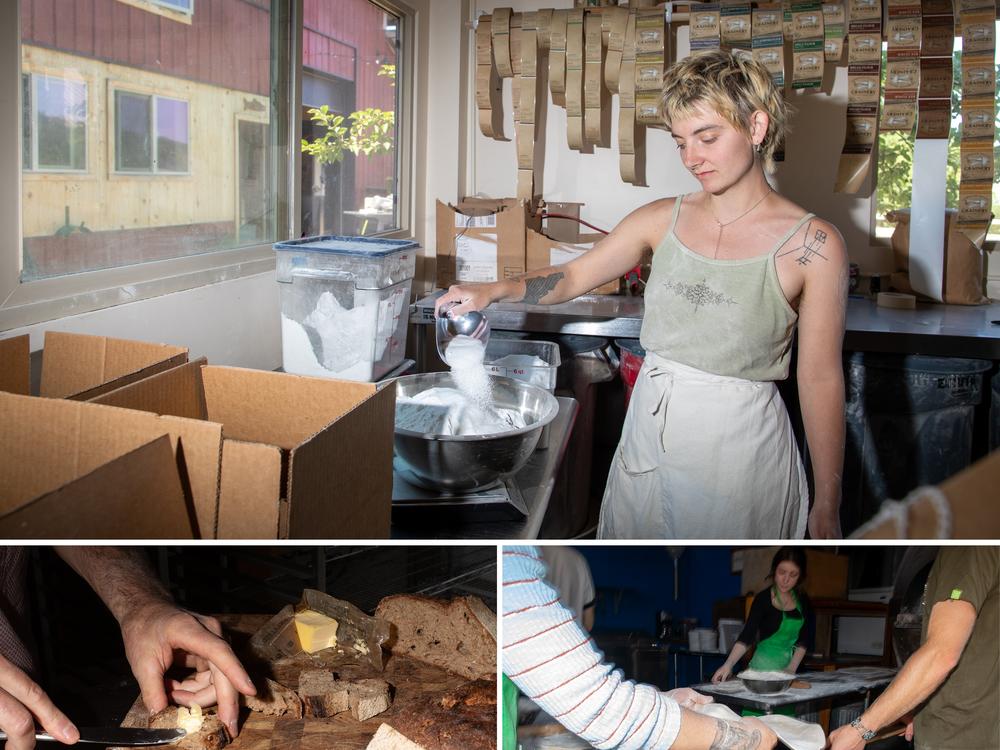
<point>447,327</point>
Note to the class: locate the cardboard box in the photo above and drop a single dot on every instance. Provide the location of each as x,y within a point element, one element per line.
<point>543,251</point>
<point>564,230</point>
<point>15,365</point>
<point>77,470</point>
<point>826,572</point>
<point>482,239</point>
<point>301,457</point>
<point>80,367</point>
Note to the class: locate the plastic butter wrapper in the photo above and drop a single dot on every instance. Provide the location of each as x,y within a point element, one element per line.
<point>359,636</point>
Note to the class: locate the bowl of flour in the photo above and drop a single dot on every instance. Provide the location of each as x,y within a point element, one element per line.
<point>465,429</point>
<point>758,681</point>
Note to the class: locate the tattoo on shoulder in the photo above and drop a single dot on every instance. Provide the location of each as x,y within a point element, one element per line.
<point>537,287</point>
<point>731,735</point>
<point>810,248</point>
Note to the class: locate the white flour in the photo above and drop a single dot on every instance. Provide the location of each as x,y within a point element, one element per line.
<point>447,411</point>
<point>299,358</point>
<point>465,356</point>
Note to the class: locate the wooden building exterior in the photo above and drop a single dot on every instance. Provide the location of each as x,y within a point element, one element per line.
<point>212,64</point>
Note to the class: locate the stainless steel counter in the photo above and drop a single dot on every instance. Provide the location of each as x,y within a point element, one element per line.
<point>535,480</point>
<point>940,330</point>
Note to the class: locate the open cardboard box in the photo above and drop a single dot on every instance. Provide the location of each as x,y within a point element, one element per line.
<point>301,457</point>
<point>80,367</point>
<point>543,251</point>
<point>77,470</point>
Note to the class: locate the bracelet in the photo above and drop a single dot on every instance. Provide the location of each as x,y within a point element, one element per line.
<point>866,733</point>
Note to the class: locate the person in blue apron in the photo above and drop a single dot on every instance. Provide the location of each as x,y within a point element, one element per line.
<point>707,449</point>
<point>777,622</point>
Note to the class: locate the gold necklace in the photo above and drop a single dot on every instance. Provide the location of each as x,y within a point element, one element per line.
<point>723,225</point>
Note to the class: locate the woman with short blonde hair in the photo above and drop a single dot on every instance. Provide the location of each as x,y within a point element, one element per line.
<point>707,448</point>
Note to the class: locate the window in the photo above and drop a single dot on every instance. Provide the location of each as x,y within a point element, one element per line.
<point>151,133</point>
<point>895,160</point>
<point>166,182</point>
<point>54,122</point>
<point>187,6</point>
<point>350,109</point>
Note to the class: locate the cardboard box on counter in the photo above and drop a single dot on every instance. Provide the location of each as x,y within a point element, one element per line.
<point>826,572</point>
<point>482,239</point>
<point>83,471</point>
<point>543,251</point>
<point>80,367</point>
<point>302,457</point>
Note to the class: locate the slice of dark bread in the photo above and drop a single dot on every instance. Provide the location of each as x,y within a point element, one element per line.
<point>457,635</point>
<point>322,694</point>
<point>274,699</point>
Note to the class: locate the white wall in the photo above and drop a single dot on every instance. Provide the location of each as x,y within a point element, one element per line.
<point>807,175</point>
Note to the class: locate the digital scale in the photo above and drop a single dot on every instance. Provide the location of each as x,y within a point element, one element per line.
<point>413,505</point>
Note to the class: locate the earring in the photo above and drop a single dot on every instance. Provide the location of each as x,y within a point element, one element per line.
<point>758,148</point>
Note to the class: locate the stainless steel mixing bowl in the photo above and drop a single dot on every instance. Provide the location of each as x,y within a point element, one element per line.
<point>456,463</point>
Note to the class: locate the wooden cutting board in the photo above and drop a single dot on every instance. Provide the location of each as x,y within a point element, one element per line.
<point>414,683</point>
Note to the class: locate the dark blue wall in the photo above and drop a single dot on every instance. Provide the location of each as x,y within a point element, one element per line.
<point>634,583</point>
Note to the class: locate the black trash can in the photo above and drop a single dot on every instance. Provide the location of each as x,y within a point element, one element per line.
<point>995,414</point>
<point>909,423</point>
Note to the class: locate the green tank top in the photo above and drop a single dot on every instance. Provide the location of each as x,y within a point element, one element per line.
<point>727,317</point>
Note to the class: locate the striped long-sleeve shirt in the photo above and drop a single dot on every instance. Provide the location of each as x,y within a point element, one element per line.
<point>555,663</point>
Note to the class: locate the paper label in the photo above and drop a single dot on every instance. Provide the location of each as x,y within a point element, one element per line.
<point>863,10</point>
<point>476,257</point>
<point>978,32</point>
<point>978,75</point>
<point>767,20</point>
<point>475,222</point>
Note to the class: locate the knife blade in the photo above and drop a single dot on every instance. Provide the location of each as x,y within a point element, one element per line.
<point>121,736</point>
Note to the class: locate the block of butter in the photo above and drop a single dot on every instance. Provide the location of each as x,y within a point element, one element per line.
<point>316,631</point>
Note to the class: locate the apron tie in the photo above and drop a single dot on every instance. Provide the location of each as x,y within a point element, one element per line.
<point>660,409</point>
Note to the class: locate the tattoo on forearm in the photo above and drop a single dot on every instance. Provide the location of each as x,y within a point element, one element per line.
<point>731,735</point>
<point>537,287</point>
<point>810,248</point>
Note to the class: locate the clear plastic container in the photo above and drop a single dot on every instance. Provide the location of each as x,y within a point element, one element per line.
<point>519,359</point>
<point>343,305</point>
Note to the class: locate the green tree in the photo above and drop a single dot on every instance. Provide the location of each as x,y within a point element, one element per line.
<point>367,131</point>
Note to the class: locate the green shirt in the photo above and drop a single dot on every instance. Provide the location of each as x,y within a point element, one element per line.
<point>964,713</point>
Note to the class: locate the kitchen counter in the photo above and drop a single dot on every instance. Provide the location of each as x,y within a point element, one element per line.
<point>822,685</point>
<point>939,330</point>
<point>535,481</point>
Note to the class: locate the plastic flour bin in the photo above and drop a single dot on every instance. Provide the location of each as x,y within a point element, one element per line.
<point>344,304</point>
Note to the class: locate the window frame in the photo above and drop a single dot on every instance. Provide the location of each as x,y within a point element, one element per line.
<point>33,77</point>
<point>874,240</point>
<point>24,303</point>
<point>114,89</point>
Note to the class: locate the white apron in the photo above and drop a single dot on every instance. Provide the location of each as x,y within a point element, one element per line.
<point>704,456</point>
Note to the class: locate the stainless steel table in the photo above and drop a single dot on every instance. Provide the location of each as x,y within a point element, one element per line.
<point>939,330</point>
<point>822,685</point>
<point>535,480</point>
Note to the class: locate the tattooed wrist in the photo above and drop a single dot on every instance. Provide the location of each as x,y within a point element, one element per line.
<point>536,287</point>
<point>732,735</point>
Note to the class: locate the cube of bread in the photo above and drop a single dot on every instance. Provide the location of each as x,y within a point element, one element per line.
<point>387,738</point>
<point>368,698</point>
<point>322,694</point>
<point>212,735</point>
<point>459,635</point>
<point>274,699</point>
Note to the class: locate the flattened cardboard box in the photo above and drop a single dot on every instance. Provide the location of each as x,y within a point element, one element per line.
<point>80,367</point>
<point>301,457</point>
<point>482,239</point>
<point>543,251</point>
<point>77,470</point>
